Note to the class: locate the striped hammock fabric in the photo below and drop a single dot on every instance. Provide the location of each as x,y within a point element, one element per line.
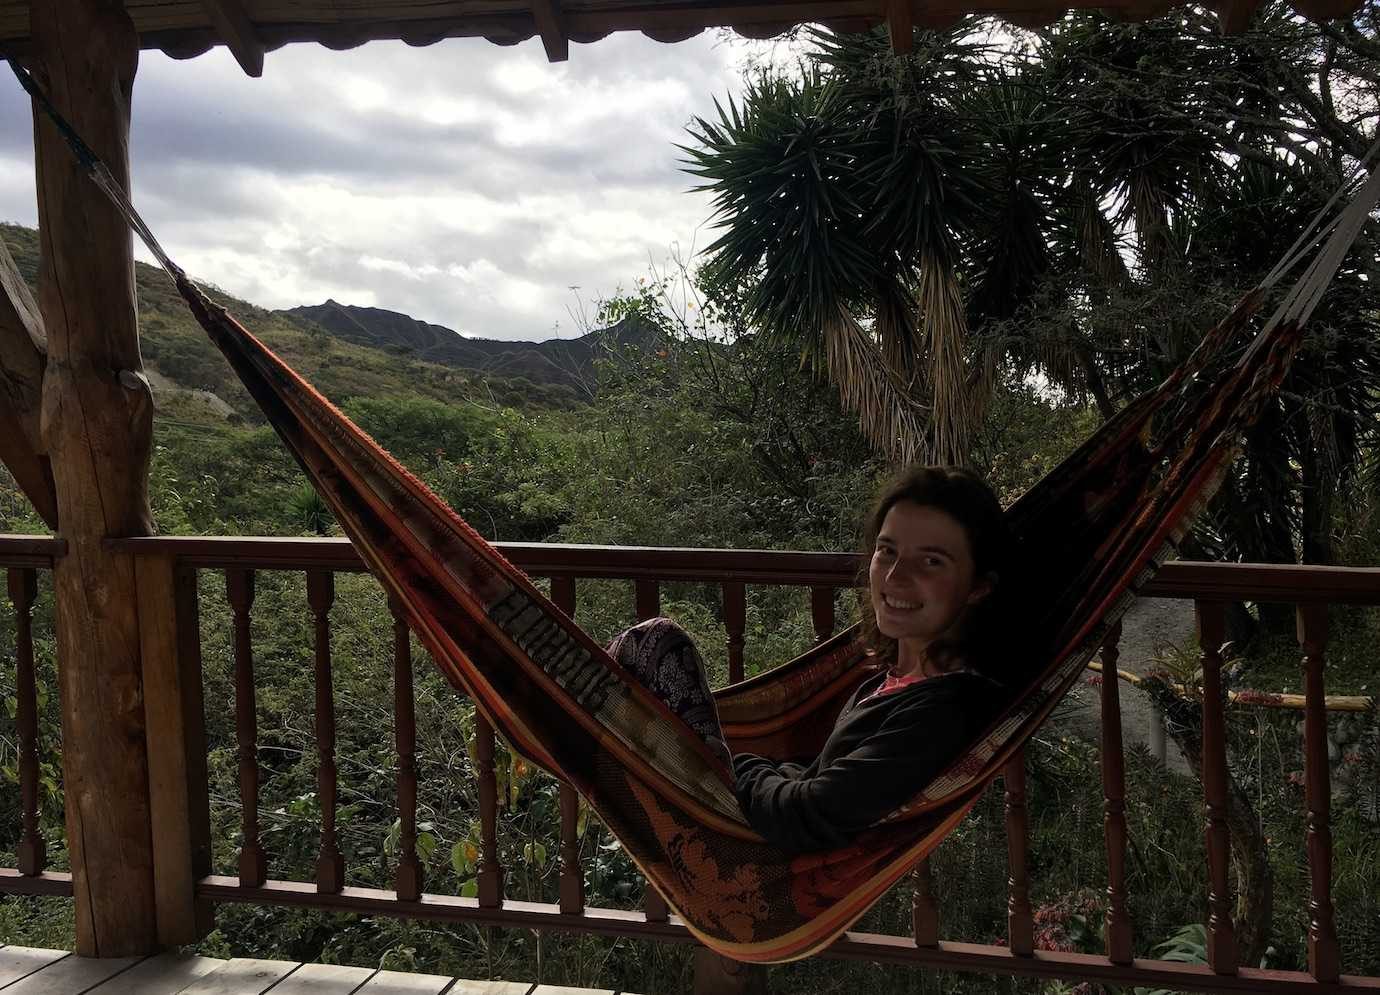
<point>1088,536</point>
<point>1091,532</point>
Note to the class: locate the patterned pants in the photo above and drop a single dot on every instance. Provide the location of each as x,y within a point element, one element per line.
<point>663,658</point>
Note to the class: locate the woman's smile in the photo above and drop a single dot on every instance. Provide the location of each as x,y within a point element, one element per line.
<point>899,604</point>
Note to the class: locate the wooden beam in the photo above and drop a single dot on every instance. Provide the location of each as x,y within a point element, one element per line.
<point>547,14</point>
<point>237,31</point>
<point>97,418</point>
<point>901,26</point>
<point>23,357</point>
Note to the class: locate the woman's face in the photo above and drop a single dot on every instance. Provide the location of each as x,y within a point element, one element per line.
<point>922,575</point>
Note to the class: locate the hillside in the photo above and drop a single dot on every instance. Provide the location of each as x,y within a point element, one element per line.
<point>565,362</point>
<point>192,381</point>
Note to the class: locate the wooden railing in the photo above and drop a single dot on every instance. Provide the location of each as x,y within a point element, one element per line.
<point>185,881</point>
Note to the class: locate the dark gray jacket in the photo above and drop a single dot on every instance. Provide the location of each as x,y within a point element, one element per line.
<point>882,752</point>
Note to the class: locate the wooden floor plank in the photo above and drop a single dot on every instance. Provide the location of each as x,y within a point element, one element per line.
<point>70,976</point>
<point>463,987</point>
<point>402,983</point>
<point>166,974</point>
<point>323,979</point>
<point>16,962</point>
<point>241,976</point>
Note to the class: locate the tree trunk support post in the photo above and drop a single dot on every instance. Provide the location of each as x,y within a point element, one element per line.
<point>97,422</point>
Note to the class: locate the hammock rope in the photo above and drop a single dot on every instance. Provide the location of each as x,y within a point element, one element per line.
<point>1095,529</point>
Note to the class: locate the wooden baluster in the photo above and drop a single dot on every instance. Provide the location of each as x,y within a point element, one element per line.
<point>924,914</point>
<point>1113,762</point>
<point>1211,618</point>
<point>490,870</point>
<point>1020,925</point>
<point>647,604</point>
<point>31,853</point>
<point>735,621</point>
<point>408,878</point>
<point>239,590</point>
<point>572,874</point>
<point>1324,961</point>
<point>822,612</point>
<point>646,599</point>
<point>330,864</point>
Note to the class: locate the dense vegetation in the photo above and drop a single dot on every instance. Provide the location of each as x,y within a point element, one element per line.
<point>721,436</point>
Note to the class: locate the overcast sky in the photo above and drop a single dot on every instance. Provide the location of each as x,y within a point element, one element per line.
<point>464,183</point>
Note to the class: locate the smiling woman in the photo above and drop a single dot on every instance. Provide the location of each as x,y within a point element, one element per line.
<point>938,542</point>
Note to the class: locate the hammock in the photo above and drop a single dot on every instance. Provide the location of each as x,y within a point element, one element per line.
<point>1091,533</point>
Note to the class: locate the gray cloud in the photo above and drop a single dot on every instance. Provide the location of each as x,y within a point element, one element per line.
<point>466,184</point>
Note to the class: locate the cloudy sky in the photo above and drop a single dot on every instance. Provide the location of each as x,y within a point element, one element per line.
<point>464,183</point>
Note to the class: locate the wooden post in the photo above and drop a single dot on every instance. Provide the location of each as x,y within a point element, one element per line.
<point>178,798</point>
<point>647,604</point>
<point>717,975</point>
<point>1113,764</point>
<point>31,854</point>
<point>97,420</point>
<point>735,621</point>
<point>924,914</point>
<point>1020,923</point>
<point>572,884</point>
<point>407,880</point>
<point>330,863</point>
<point>239,589</point>
<point>822,612</point>
<point>1323,954</point>
<point>1221,934</point>
<point>490,871</point>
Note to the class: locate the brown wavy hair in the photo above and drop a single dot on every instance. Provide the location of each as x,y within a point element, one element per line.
<point>966,497</point>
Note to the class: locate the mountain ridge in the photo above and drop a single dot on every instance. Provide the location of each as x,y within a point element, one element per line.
<point>561,362</point>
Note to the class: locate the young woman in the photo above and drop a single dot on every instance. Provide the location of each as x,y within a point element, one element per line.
<point>938,545</point>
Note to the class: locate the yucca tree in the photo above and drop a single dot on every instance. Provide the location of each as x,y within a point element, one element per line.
<point>845,205</point>
<point>1078,206</point>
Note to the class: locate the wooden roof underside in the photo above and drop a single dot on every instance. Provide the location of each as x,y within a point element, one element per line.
<point>186,28</point>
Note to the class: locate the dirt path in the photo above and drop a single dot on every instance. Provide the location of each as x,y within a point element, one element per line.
<point>1150,622</point>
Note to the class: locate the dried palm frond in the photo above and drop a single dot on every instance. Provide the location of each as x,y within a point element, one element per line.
<point>891,417</point>
<point>944,325</point>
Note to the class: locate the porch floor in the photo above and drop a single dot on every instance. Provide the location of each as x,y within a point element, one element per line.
<point>33,971</point>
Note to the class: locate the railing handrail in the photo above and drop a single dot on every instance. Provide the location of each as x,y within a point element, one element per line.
<point>17,550</point>
<point>1198,580</point>
<point>188,880</point>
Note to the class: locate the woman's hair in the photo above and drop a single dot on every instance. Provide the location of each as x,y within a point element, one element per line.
<point>962,494</point>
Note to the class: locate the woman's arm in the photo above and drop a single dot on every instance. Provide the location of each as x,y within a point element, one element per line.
<point>824,806</point>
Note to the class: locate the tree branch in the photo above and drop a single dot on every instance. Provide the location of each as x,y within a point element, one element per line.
<point>23,358</point>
